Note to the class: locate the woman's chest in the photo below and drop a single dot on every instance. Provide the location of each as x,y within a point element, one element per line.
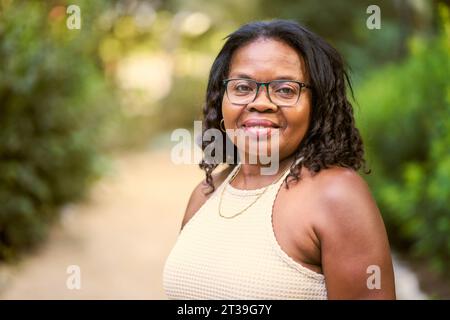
<point>237,262</point>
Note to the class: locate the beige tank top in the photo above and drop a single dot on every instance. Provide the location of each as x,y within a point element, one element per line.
<point>238,258</point>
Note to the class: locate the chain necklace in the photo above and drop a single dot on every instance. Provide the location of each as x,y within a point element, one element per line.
<point>252,203</point>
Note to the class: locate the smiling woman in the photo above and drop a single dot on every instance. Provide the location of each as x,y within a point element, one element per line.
<point>310,230</point>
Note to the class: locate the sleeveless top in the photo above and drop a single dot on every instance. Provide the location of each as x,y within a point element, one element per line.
<point>237,258</point>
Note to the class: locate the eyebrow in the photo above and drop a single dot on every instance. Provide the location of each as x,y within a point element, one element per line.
<point>282,77</point>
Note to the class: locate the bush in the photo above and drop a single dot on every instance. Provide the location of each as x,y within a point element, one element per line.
<point>51,109</point>
<point>405,121</point>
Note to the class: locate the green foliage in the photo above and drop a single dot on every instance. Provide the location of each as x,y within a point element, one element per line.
<point>51,110</point>
<point>405,121</point>
<point>343,24</point>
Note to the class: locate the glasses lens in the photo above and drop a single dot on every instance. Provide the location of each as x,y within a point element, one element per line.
<point>284,92</point>
<point>241,91</point>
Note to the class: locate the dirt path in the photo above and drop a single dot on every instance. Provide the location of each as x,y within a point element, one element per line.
<point>121,236</point>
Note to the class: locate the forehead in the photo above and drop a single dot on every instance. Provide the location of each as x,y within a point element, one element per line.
<point>267,59</point>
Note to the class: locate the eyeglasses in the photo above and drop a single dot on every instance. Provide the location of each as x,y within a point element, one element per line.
<point>280,92</point>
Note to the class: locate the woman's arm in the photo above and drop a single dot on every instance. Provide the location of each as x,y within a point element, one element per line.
<point>355,251</point>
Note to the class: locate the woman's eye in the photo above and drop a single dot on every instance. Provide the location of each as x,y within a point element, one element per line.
<point>286,90</point>
<point>243,88</point>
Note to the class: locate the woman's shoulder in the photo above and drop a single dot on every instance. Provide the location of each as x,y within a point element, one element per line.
<point>337,183</point>
<point>332,184</point>
<point>351,233</point>
<point>342,188</point>
<point>337,194</point>
<point>347,210</point>
<point>201,193</point>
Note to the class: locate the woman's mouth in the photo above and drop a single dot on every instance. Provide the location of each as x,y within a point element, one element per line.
<point>259,127</point>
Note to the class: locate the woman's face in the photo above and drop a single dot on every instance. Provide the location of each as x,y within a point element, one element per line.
<point>265,60</point>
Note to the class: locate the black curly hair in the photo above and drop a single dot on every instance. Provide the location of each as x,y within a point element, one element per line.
<point>332,138</point>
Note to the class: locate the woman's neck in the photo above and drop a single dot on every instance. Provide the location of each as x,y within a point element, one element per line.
<point>250,176</point>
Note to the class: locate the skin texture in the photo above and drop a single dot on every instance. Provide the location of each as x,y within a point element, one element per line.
<point>328,222</point>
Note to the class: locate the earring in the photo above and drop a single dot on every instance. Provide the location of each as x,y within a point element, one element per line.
<point>221,124</point>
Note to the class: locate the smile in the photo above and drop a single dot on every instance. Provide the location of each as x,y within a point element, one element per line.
<point>259,127</point>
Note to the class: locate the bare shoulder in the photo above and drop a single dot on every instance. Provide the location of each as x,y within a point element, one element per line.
<point>352,236</point>
<point>332,187</point>
<point>344,198</point>
<point>336,199</point>
<point>200,194</point>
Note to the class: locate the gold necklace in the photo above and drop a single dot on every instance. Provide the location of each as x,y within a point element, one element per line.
<point>253,202</point>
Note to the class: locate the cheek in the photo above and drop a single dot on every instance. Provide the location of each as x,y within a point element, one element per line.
<point>297,125</point>
<point>230,113</point>
<point>225,107</point>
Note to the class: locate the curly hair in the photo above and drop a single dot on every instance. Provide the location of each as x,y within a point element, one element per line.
<point>332,138</point>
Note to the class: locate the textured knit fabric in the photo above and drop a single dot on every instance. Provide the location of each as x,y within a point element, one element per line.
<point>238,258</point>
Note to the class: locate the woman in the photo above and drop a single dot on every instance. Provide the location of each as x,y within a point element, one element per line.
<point>311,230</point>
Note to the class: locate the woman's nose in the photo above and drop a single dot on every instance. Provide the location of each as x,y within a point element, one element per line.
<point>262,102</point>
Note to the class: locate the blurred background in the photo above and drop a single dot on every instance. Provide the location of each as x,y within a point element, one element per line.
<point>86,115</point>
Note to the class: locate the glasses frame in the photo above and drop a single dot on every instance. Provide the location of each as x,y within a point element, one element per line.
<point>266,85</point>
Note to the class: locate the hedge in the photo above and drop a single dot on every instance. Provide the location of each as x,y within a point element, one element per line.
<point>52,104</point>
<point>404,115</point>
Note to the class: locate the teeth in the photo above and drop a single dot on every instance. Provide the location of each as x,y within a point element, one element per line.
<point>259,127</point>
